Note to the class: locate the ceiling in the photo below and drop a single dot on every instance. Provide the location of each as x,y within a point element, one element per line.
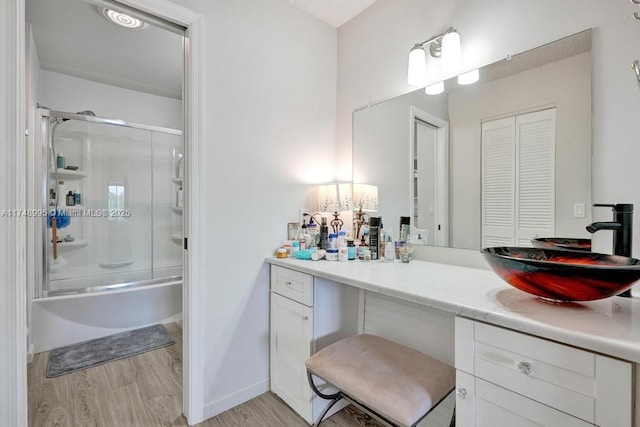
<point>333,12</point>
<point>73,38</point>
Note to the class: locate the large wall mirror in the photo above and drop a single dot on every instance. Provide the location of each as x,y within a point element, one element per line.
<point>498,162</point>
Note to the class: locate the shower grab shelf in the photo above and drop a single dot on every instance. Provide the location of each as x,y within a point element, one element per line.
<point>75,243</point>
<point>68,173</point>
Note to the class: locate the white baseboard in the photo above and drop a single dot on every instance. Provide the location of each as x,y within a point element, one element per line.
<point>30,354</point>
<point>211,409</point>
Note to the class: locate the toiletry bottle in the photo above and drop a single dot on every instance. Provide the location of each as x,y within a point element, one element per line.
<point>374,236</point>
<point>324,234</point>
<point>351,249</point>
<point>77,197</point>
<point>343,252</point>
<point>333,241</point>
<point>71,200</point>
<point>382,239</point>
<point>405,221</point>
<point>389,248</point>
<point>301,235</point>
<point>62,194</point>
<point>60,161</point>
<point>342,238</point>
<point>312,231</point>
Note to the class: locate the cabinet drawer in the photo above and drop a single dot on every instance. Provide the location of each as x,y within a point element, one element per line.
<point>292,284</point>
<point>578,382</point>
<point>480,403</point>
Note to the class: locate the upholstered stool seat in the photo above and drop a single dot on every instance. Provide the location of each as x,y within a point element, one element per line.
<point>397,383</point>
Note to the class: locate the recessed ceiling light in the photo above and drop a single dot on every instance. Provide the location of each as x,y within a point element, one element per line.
<point>122,19</point>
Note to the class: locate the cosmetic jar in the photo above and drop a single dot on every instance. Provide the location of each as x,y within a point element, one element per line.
<point>331,254</point>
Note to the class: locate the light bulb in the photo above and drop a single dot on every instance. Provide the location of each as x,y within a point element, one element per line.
<point>434,89</point>
<point>417,75</point>
<point>469,77</point>
<point>451,53</point>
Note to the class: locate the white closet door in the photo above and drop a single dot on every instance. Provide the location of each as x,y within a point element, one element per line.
<point>535,173</point>
<point>498,182</point>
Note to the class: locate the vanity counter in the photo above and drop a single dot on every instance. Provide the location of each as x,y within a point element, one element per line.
<point>610,326</point>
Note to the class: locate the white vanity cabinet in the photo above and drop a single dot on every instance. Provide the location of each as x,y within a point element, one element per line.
<point>307,314</point>
<point>508,378</point>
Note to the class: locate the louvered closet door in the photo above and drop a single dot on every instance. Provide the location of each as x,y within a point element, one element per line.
<point>535,173</point>
<point>498,182</point>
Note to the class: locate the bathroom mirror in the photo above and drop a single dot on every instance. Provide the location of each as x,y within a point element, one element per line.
<point>425,152</point>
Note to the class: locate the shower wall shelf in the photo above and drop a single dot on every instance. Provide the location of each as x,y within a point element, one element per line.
<point>75,243</point>
<point>68,174</point>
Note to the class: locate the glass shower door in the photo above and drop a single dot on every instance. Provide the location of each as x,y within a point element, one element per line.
<point>104,188</point>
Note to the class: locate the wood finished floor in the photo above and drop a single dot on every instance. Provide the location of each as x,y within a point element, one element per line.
<point>146,391</point>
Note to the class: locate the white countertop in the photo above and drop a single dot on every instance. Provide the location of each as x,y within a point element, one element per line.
<point>610,326</point>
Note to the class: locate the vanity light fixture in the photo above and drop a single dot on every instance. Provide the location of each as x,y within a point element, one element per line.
<point>335,198</point>
<point>122,19</point>
<point>451,53</point>
<point>434,89</point>
<point>445,45</point>
<point>469,77</point>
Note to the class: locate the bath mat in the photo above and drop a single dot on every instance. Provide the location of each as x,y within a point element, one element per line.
<point>83,355</point>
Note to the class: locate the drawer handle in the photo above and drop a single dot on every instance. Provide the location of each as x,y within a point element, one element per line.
<point>461,393</point>
<point>524,367</point>
<point>288,283</point>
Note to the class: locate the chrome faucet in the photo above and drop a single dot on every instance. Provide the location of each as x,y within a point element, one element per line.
<point>622,226</point>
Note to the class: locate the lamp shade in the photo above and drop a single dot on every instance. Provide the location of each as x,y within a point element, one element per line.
<point>365,197</point>
<point>451,53</point>
<point>334,197</point>
<point>417,74</point>
<point>434,89</point>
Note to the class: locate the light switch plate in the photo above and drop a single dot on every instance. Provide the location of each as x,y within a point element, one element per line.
<point>578,210</point>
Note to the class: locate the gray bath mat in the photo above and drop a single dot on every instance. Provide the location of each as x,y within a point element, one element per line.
<point>83,355</point>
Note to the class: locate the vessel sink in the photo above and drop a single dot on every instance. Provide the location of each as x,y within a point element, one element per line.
<point>563,276</point>
<point>562,243</point>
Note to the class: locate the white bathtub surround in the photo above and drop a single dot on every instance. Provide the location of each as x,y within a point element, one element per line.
<point>60,321</point>
<point>606,326</point>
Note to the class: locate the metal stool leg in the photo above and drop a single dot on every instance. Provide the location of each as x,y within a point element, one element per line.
<point>333,397</point>
<point>453,417</point>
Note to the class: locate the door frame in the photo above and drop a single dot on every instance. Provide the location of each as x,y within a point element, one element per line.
<point>16,289</point>
<point>441,174</point>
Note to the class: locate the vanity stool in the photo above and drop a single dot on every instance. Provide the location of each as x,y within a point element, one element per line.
<point>393,382</point>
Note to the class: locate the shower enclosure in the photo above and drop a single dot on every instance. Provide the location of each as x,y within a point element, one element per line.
<point>111,204</point>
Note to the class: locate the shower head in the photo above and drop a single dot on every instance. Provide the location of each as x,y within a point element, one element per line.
<point>636,68</point>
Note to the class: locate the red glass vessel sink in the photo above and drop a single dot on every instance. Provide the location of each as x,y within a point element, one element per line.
<point>570,244</point>
<point>561,275</point>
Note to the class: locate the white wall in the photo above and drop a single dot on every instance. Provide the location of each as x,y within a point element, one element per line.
<point>61,92</point>
<point>372,66</point>
<point>270,108</point>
